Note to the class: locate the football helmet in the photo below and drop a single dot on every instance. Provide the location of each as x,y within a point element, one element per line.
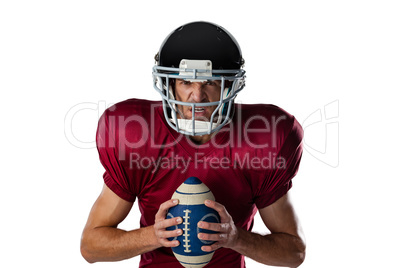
<point>199,52</point>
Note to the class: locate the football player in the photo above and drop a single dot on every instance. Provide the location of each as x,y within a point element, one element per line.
<point>247,155</point>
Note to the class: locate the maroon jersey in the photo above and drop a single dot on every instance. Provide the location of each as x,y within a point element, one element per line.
<point>247,165</point>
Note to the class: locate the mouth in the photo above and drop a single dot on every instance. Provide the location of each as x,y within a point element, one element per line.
<point>199,111</point>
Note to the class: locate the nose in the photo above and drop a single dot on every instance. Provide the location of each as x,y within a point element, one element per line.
<point>198,92</point>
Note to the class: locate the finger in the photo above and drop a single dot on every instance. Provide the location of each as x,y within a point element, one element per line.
<point>219,208</point>
<point>163,209</point>
<point>217,227</point>
<point>169,244</point>
<point>212,237</point>
<point>210,248</point>
<point>165,223</point>
<point>169,234</point>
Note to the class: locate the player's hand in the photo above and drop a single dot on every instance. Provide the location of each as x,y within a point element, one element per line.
<point>227,232</point>
<point>161,223</point>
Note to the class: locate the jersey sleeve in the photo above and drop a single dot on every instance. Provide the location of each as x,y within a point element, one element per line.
<point>115,176</point>
<point>277,180</point>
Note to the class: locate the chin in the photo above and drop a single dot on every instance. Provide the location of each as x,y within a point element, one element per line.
<point>201,119</point>
<point>205,118</point>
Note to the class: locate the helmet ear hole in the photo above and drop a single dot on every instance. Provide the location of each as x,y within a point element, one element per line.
<point>242,62</point>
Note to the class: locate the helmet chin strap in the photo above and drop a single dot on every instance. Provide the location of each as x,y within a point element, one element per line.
<point>199,126</point>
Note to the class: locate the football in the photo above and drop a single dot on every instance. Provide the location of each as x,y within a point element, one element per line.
<point>191,195</point>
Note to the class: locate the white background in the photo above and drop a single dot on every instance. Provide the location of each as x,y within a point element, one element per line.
<point>300,55</point>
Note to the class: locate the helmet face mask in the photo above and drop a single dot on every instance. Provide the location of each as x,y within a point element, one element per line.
<point>214,55</point>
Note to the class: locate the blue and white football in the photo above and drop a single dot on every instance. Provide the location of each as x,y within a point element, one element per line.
<point>191,195</point>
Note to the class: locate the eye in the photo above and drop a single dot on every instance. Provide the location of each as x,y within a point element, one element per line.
<point>210,83</point>
<point>184,82</point>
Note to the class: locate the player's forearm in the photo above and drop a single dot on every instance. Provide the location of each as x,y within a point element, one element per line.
<point>278,249</point>
<point>112,244</point>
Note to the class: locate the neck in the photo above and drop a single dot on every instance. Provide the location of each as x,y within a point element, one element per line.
<point>201,139</point>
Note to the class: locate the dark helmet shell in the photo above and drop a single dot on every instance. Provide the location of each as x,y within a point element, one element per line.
<point>201,41</point>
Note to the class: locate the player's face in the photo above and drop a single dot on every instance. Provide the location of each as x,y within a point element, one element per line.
<point>197,92</point>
